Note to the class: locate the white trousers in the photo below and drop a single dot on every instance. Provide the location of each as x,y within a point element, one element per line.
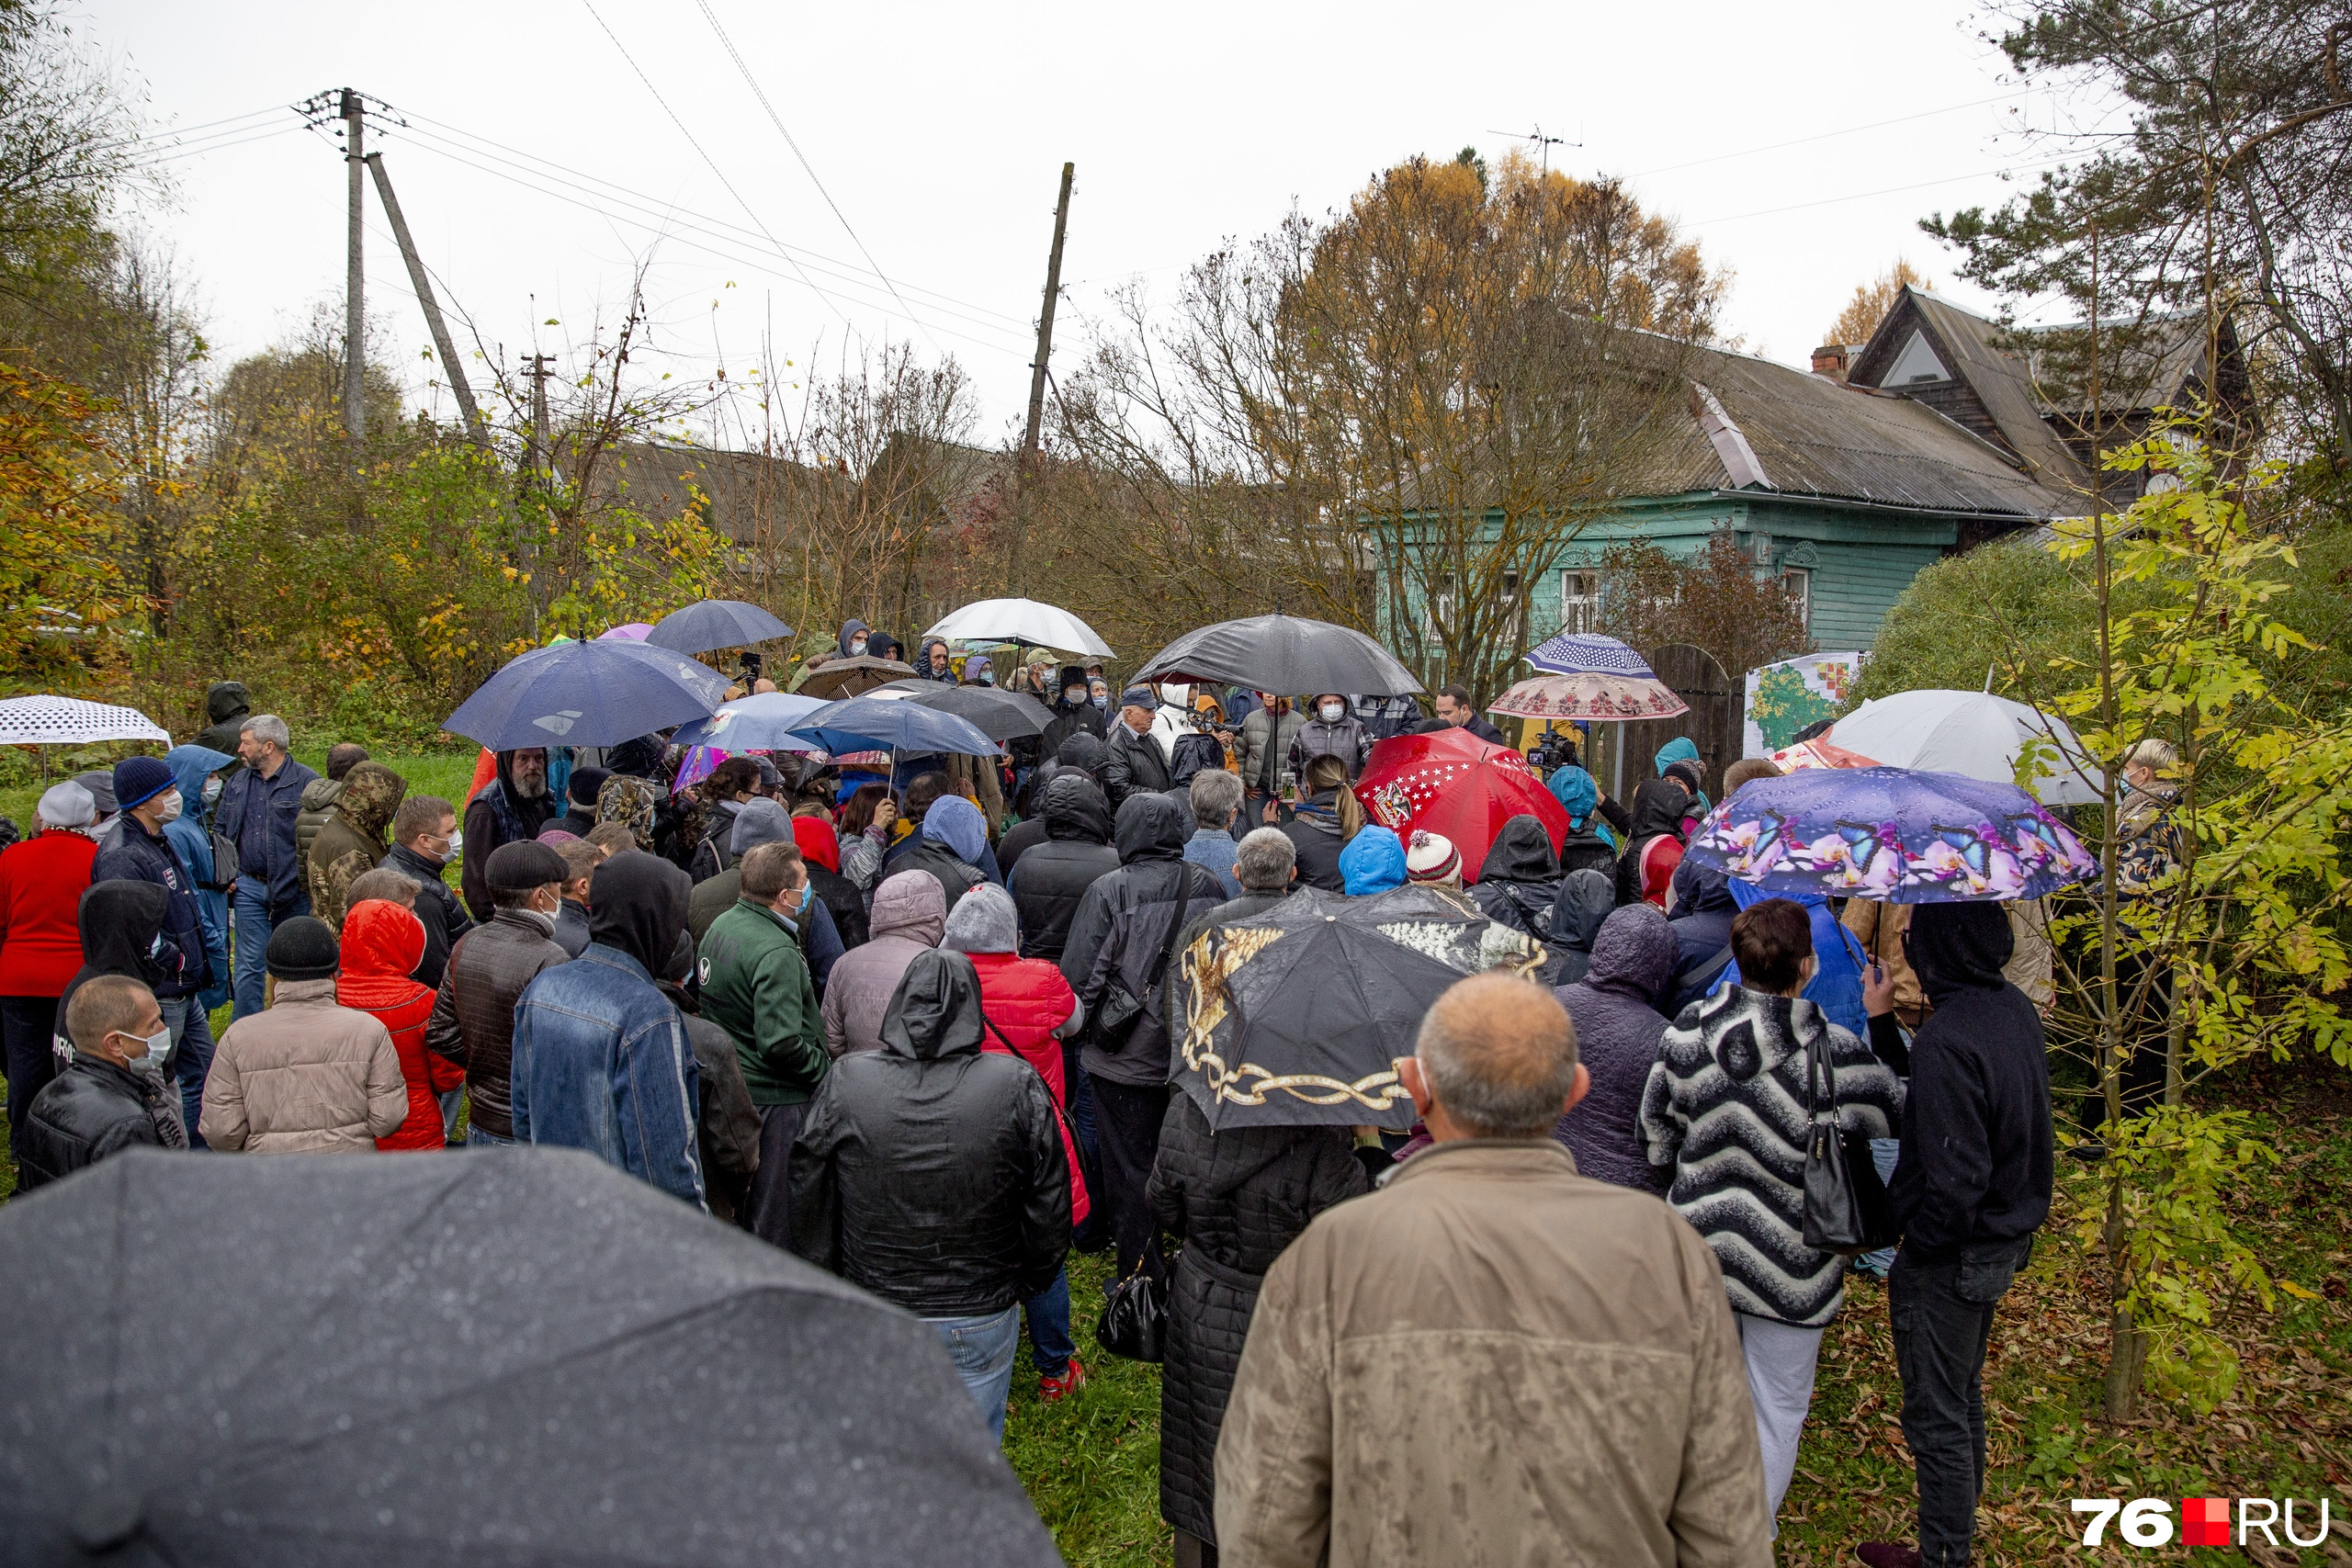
<point>1780,1363</point>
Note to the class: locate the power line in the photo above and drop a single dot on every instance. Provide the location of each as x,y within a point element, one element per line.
<point>172,157</point>
<point>706,158</point>
<point>1826,135</point>
<point>712,17</point>
<point>1890,190</point>
<point>160,136</point>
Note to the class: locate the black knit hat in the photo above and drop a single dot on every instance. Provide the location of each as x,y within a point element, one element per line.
<point>527,864</point>
<point>302,949</point>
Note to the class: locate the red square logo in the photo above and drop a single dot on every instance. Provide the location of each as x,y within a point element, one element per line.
<point>2205,1521</point>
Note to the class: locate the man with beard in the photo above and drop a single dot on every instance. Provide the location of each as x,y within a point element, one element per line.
<point>509,809</point>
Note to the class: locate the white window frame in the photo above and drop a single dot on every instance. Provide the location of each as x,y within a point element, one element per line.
<point>1581,599</point>
<point>1797,582</point>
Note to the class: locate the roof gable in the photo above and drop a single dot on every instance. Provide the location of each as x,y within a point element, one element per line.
<point>1999,398</point>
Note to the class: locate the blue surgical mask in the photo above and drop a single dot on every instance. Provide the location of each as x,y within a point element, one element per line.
<point>1102,699</point>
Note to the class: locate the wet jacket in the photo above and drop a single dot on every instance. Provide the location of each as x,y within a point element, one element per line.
<point>1085,718</point>
<point>1492,1359</point>
<point>1614,1009</point>
<point>929,1171</point>
<point>382,943</point>
<point>1348,740</point>
<point>1584,902</point>
<point>129,853</point>
<point>226,707</point>
<point>257,814</point>
<point>601,1062</point>
<point>118,923</point>
<point>41,882</point>
<point>1520,879</point>
<point>1700,920</point>
<point>1237,1198</point>
<point>727,1129</point>
<point>756,986</point>
<point>1974,1176</point>
<point>308,1076</point>
<point>1262,748</point>
<point>1124,929</point>
<point>1050,881</point>
<point>445,919</point>
<point>473,1009</point>
<point>1024,1001</point>
<point>1133,764</point>
<point>319,797</point>
<point>909,914</point>
<point>191,834</point>
<point>497,816</point>
<point>354,838</point>
<point>92,1109</point>
<point>1654,844</point>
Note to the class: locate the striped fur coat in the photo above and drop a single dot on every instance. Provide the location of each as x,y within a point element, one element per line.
<point>1724,1107</point>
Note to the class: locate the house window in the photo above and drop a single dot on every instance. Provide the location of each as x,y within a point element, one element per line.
<point>1579,601</point>
<point>1440,604</point>
<point>1917,362</point>
<point>1514,615</point>
<point>1797,582</point>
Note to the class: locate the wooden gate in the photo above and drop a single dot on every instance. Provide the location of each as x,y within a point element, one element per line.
<point>1620,753</point>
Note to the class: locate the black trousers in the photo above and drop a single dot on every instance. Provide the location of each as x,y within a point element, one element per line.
<point>27,1027</point>
<point>768,1215</point>
<point>2147,1032</point>
<point>1126,1129</point>
<point>1943,1318</point>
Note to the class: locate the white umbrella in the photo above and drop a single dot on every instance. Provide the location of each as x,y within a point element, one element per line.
<point>1024,621</point>
<point>1974,733</point>
<point>70,721</point>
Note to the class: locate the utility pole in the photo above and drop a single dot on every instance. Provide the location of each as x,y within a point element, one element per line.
<point>355,285</point>
<point>1038,369</point>
<point>542,465</point>
<point>442,343</point>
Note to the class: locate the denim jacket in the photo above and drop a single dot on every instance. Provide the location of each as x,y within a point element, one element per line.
<point>601,1062</point>
<point>277,869</point>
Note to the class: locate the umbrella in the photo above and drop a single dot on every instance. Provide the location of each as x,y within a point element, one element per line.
<point>1283,653</point>
<point>762,723</point>
<point>513,1356</point>
<point>1296,1016</point>
<point>1451,782</point>
<point>1818,752</point>
<point>1590,694</point>
<point>70,721</point>
<point>873,723</point>
<point>837,678</point>
<point>715,622</point>
<point>1892,835</point>
<point>636,631</point>
<point>1023,621</point>
<point>1000,715</point>
<point>1974,733</point>
<point>1581,653</point>
<point>586,694</point>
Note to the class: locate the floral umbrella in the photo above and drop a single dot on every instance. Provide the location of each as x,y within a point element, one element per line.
<point>1891,835</point>
<point>1590,694</point>
<point>1451,782</point>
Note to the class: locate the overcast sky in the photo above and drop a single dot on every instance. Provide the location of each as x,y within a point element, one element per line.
<point>1798,142</point>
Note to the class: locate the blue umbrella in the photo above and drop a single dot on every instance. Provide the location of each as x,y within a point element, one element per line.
<point>877,724</point>
<point>586,694</point>
<point>762,723</point>
<point>715,622</point>
<point>1892,835</point>
<point>1590,653</point>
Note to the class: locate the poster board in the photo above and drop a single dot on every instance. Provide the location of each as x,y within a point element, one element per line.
<point>1783,698</point>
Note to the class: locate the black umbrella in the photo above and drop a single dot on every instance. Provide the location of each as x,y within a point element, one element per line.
<point>715,622</point>
<point>514,1356</point>
<point>837,678</point>
<point>1283,653</point>
<point>1296,1016</point>
<point>1000,715</point>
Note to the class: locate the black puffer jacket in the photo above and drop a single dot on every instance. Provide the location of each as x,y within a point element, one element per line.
<point>1133,764</point>
<point>1054,875</point>
<point>90,1110</point>
<point>1237,1197</point>
<point>931,1172</point>
<point>1124,927</point>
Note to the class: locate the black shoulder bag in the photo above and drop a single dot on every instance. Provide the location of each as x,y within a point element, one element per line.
<point>1120,1010</point>
<point>1845,1207</point>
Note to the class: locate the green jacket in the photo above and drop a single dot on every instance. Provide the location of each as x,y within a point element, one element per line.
<point>756,986</point>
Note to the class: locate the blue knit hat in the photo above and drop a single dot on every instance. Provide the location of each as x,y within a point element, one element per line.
<point>138,780</point>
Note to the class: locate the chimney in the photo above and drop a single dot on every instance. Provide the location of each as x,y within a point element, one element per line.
<point>1829,360</point>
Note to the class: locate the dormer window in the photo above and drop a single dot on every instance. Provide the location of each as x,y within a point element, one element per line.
<point>1917,362</point>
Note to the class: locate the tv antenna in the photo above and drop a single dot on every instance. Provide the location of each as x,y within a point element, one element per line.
<point>1542,142</point>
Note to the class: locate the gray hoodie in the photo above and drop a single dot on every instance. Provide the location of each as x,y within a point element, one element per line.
<point>909,915</point>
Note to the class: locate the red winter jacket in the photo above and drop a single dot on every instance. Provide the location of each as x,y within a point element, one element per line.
<point>1024,1000</point>
<point>42,883</point>
<point>382,943</point>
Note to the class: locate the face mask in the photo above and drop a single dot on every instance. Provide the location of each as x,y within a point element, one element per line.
<point>159,1046</point>
<point>456,843</point>
<point>807,890</point>
<point>173,805</point>
<point>1332,712</point>
<point>1073,697</point>
<point>988,677</point>
<point>211,791</point>
<point>856,647</point>
<point>1102,699</point>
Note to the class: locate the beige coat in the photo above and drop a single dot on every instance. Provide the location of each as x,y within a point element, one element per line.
<point>1493,1360</point>
<point>305,1076</point>
<point>1881,926</point>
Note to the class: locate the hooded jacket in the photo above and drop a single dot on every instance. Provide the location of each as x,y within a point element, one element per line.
<point>473,1010</point>
<point>1123,929</point>
<point>226,707</point>
<point>1725,1108</point>
<point>850,629</point>
<point>382,945</point>
<point>1974,1180</point>
<point>1079,718</point>
<point>1373,861</point>
<point>1238,1199</point>
<point>191,834</point>
<point>1578,913</point>
<point>355,838</point>
<point>928,1171</point>
<point>1618,1028</point>
<point>1348,739</point>
<point>128,852</point>
<point>499,814</point>
<point>946,672</point>
<point>909,914</point>
<point>1654,847</point>
<point>756,986</point>
<point>1704,910</point>
<point>1050,880</point>
<point>1519,881</point>
<point>1026,1009</point>
<point>820,853</point>
<point>954,848</point>
<point>319,797</point>
<point>118,923</point>
<point>1587,846</point>
<point>306,1077</point>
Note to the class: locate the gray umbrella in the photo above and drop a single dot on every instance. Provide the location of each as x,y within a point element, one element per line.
<point>514,1356</point>
<point>715,622</point>
<point>998,714</point>
<point>1290,654</point>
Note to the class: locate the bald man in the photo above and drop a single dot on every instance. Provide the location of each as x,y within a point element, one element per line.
<point>1493,1359</point>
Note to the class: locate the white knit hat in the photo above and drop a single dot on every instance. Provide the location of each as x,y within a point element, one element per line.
<point>1432,857</point>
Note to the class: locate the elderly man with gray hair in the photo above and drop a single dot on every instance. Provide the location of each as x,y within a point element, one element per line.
<point>258,807</point>
<point>1493,1356</point>
<point>1216,800</point>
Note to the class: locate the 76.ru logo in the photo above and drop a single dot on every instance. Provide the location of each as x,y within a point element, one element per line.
<point>2204,1521</point>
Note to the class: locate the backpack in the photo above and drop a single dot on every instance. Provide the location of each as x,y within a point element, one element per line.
<point>1191,755</point>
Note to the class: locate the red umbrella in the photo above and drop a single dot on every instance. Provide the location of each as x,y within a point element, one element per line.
<point>1449,782</point>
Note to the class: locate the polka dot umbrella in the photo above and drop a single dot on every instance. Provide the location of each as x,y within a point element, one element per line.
<point>1452,782</point>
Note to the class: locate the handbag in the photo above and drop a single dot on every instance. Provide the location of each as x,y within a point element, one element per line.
<point>224,863</point>
<point>1135,1320</point>
<point>1845,1207</point>
<point>1120,1010</point>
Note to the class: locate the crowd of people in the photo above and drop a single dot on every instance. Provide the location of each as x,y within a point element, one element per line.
<point>929,1046</point>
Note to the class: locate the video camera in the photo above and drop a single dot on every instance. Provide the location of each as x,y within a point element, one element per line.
<point>754,666</point>
<point>1557,748</point>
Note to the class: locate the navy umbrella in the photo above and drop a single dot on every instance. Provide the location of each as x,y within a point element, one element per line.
<point>879,724</point>
<point>514,1356</point>
<point>587,694</point>
<point>1290,654</point>
<point>715,622</point>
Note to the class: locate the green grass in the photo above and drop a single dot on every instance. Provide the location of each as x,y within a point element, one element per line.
<point>445,773</point>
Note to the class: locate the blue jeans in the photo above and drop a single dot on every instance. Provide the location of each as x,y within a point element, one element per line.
<point>1048,1316</point>
<point>451,1101</point>
<point>982,1350</point>
<point>195,1061</point>
<point>1884,1152</point>
<point>478,1139</point>
<point>250,909</point>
